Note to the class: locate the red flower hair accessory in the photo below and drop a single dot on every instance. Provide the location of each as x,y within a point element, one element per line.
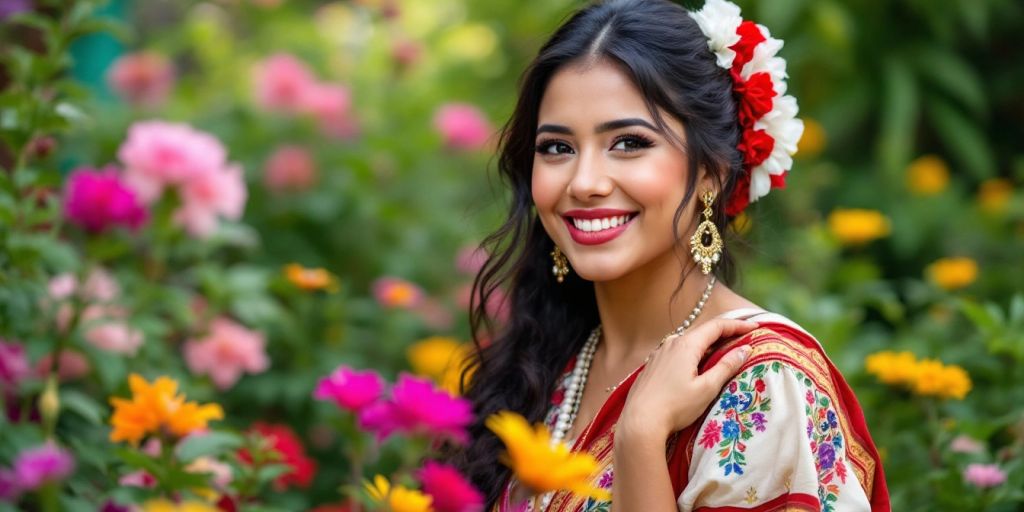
<point>767,116</point>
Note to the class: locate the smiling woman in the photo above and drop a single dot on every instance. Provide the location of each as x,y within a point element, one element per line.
<point>636,351</point>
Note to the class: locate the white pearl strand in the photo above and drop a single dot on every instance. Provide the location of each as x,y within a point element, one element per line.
<point>570,405</point>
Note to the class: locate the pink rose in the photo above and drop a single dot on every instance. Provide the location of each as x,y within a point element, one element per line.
<point>98,200</point>
<point>462,126</point>
<point>290,168</point>
<point>282,83</point>
<point>984,475</point>
<point>207,197</point>
<point>331,106</point>
<point>158,154</point>
<point>114,336</point>
<point>226,352</point>
<point>143,78</point>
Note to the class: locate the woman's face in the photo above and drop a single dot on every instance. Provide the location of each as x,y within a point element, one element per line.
<point>606,182</point>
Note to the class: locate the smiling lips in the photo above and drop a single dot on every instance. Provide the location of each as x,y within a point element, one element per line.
<point>598,226</point>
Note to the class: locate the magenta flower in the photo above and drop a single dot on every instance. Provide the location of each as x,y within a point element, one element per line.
<point>143,78</point>
<point>14,365</point>
<point>290,168</point>
<point>379,419</point>
<point>418,406</point>
<point>462,126</point>
<point>984,476</point>
<point>8,485</point>
<point>37,466</point>
<point>226,352</point>
<point>451,492</point>
<point>350,389</point>
<point>98,199</point>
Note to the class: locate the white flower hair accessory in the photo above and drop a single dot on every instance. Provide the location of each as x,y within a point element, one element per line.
<point>767,116</point>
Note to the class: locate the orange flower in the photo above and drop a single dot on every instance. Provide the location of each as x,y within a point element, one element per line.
<point>310,279</point>
<point>995,194</point>
<point>156,408</point>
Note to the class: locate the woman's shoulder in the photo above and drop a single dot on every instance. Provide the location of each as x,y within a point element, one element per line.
<point>779,342</point>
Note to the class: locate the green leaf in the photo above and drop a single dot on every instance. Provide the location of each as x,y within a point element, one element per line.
<point>947,71</point>
<point>210,444</point>
<point>900,111</point>
<point>83,405</point>
<point>964,139</point>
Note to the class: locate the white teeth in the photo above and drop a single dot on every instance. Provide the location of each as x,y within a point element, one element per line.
<point>591,225</point>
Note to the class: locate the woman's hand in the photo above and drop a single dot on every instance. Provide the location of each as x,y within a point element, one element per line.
<point>668,394</point>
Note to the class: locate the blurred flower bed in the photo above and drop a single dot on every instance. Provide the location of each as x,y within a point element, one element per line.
<point>237,240</point>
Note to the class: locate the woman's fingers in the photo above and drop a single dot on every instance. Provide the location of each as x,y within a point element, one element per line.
<point>706,334</point>
<point>726,368</point>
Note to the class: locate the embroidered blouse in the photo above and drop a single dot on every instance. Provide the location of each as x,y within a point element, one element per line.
<point>786,433</point>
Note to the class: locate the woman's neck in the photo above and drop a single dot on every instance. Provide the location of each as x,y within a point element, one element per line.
<point>638,309</point>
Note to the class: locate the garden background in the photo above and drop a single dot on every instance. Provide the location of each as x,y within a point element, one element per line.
<point>242,196</point>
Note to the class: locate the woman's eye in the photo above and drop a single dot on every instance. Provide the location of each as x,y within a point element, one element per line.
<point>630,143</point>
<point>553,147</point>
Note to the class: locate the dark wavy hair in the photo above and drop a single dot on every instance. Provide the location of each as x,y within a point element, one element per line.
<point>658,45</point>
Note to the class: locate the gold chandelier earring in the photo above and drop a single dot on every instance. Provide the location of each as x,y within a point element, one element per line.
<point>561,267</point>
<point>705,243</point>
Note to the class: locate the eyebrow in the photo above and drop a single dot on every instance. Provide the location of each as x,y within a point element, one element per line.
<point>601,128</point>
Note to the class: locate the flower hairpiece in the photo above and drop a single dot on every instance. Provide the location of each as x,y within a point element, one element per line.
<point>769,127</point>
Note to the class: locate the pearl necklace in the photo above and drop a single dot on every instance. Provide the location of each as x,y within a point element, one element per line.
<point>570,405</point>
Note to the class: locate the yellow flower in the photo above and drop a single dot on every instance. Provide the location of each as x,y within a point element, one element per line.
<point>892,367</point>
<point>928,175</point>
<point>163,505</point>
<point>953,273</point>
<point>812,142</point>
<point>156,407</point>
<point>431,356</point>
<point>441,358</point>
<point>856,226</point>
<point>540,466</point>
<point>994,195</point>
<point>310,279</point>
<point>398,498</point>
<point>469,42</point>
<point>944,381</point>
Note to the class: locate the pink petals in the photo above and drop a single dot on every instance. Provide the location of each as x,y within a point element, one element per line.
<point>226,352</point>
<point>143,78</point>
<point>462,126</point>
<point>350,389</point>
<point>415,406</point>
<point>160,155</point>
<point>451,492</point>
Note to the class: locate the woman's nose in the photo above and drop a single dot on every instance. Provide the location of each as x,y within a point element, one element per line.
<point>590,177</point>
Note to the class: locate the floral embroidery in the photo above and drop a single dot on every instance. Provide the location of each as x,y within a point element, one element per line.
<point>751,496</point>
<point>826,441</point>
<point>603,482</point>
<point>742,405</point>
